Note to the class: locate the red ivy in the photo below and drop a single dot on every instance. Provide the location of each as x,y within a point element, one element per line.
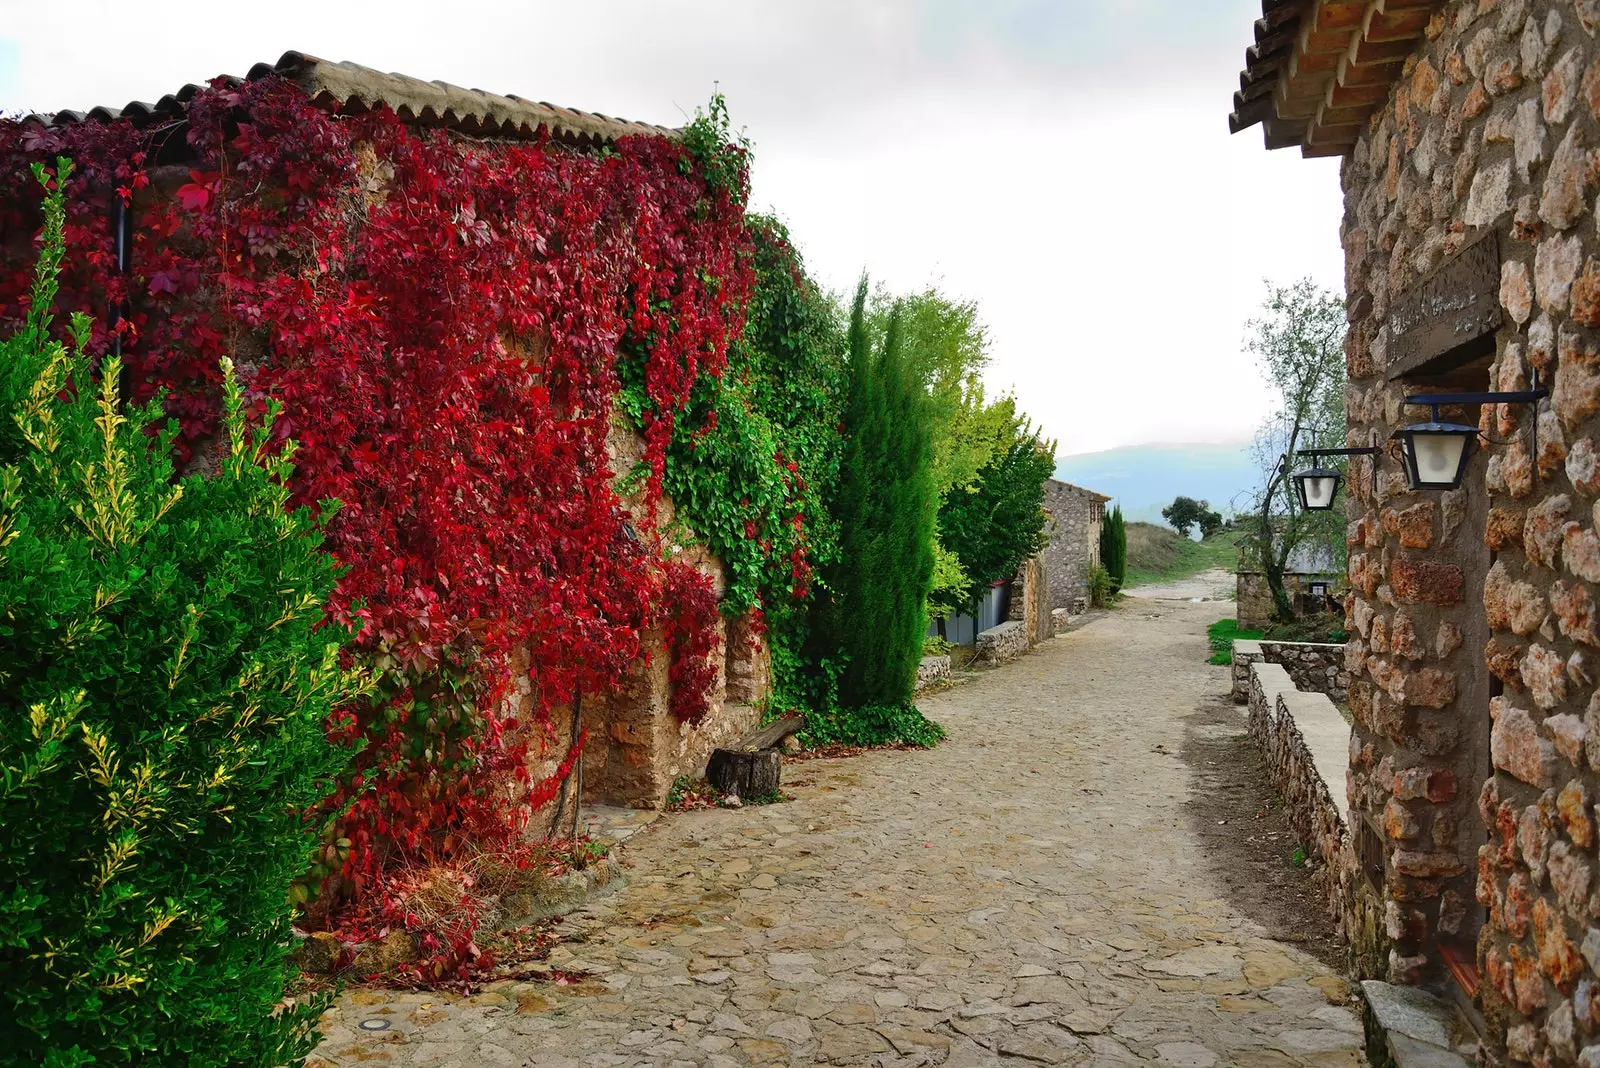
<point>690,600</point>
<point>440,319</point>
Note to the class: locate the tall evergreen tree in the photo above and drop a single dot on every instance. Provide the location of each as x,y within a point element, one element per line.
<point>886,513</point>
<point>1114,547</point>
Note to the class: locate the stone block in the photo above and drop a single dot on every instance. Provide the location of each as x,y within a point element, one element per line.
<point>1002,643</point>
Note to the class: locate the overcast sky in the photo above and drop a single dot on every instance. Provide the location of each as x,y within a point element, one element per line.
<point>1065,163</point>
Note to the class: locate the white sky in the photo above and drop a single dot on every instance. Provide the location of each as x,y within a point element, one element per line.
<point>1066,163</point>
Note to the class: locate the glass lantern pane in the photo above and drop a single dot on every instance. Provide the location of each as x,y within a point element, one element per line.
<point>1438,456</point>
<point>1320,491</point>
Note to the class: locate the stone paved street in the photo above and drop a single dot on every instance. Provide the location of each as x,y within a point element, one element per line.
<point>1028,893</point>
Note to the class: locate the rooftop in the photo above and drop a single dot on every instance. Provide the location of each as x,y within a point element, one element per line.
<point>1081,489</point>
<point>350,88</point>
<point>1319,68</point>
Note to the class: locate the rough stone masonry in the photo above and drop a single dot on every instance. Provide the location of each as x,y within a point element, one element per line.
<point>1469,176</point>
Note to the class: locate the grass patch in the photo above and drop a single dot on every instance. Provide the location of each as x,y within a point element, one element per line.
<point>1158,554</point>
<point>1221,634</point>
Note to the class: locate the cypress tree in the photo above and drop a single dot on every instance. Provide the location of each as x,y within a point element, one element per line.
<point>1114,547</point>
<point>885,508</point>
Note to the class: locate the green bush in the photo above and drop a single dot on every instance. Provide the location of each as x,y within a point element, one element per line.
<point>1102,590</point>
<point>164,688</point>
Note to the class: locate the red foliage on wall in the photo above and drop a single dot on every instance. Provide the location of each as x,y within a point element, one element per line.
<point>690,616</point>
<point>440,318</point>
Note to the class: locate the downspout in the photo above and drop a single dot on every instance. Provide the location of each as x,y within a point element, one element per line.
<point>122,242</point>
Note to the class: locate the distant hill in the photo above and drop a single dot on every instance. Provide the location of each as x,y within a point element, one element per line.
<point>1145,478</point>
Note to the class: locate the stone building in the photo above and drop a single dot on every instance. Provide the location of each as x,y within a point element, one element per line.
<point>636,746</point>
<point>1468,133</point>
<point>1311,577</point>
<point>1074,526</point>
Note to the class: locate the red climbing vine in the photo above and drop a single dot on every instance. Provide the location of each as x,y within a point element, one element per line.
<point>440,318</point>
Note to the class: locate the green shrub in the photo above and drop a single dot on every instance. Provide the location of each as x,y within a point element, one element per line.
<point>1102,590</point>
<point>164,689</point>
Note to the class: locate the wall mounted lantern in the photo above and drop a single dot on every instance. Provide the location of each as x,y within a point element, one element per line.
<point>1436,453</point>
<point>1316,487</point>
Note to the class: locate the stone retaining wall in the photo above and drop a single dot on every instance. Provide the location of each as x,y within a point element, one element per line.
<point>1315,667</point>
<point>933,669</point>
<point>1004,643</point>
<point>1305,742</point>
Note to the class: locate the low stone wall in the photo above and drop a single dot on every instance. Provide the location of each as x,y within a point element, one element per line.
<point>1060,618</point>
<point>1306,745</point>
<point>932,670</point>
<point>1003,643</point>
<point>1315,667</point>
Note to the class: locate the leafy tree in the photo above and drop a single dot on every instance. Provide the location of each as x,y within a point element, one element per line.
<point>165,682</point>
<point>1185,513</point>
<point>1211,523</point>
<point>1114,548</point>
<point>999,522</point>
<point>1299,343</point>
<point>885,507</point>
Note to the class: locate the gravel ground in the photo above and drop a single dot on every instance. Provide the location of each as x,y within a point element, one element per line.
<point>1050,886</point>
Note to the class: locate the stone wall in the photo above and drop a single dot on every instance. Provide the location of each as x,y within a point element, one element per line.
<point>1473,616</point>
<point>1031,600</point>
<point>636,746</point>
<point>1253,606</point>
<point>1305,743</point>
<point>1074,527</point>
<point>1003,643</point>
<point>933,670</point>
<point>1314,667</point>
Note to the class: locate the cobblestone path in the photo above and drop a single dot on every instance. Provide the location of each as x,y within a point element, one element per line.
<point>1025,894</point>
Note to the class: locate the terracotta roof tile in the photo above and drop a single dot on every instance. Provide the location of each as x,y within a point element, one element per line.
<point>1318,68</point>
<point>352,88</point>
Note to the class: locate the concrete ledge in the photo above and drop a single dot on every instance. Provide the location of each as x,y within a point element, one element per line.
<point>1410,1028</point>
<point>1003,643</point>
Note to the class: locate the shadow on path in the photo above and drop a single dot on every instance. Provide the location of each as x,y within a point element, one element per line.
<point>1248,843</point>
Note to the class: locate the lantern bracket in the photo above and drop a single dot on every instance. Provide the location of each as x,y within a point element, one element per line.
<point>1521,396</point>
<point>1370,450</point>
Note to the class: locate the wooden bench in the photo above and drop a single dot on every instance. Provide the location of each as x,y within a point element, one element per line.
<point>753,766</point>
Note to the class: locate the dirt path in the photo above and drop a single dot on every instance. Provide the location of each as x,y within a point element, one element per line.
<point>1042,889</point>
<point>1213,584</point>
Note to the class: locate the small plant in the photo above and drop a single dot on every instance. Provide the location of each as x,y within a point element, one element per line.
<point>933,645</point>
<point>1102,589</point>
<point>1298,857</point>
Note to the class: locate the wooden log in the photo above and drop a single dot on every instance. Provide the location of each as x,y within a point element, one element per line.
<point>771,735</point>
<point>756,774</point>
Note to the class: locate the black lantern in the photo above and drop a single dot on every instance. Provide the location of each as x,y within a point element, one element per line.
<point>1436,453</point>
<point>1316,487</point>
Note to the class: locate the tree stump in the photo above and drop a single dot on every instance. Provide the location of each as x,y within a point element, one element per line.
<point>756,774</point>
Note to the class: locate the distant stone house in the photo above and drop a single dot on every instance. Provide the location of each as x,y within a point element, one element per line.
<point>1076,515</point>
<point>1312,577</point>
<point>1467,133</point>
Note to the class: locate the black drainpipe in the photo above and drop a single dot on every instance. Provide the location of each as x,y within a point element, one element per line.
<point>122,238</point>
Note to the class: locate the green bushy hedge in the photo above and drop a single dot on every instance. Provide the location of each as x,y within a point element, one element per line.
<point>164,686</point>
